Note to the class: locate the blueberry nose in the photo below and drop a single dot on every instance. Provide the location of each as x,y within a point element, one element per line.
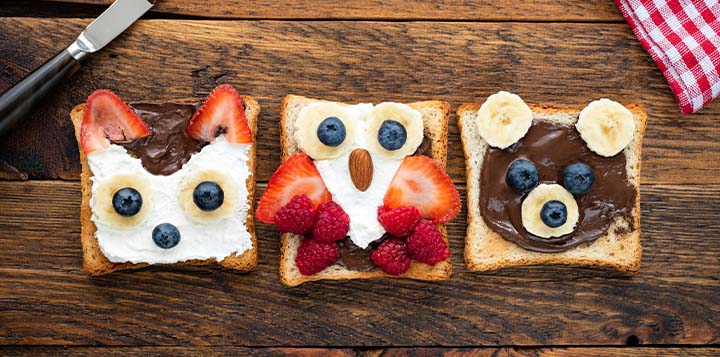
<point>166,235</point>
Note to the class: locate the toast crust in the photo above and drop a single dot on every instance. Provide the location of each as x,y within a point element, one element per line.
<point>487,250</point>
<point>94,261</point>
<point>435,119</point>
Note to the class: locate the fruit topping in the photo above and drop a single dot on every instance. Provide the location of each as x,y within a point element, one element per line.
<point>422,183</point>
<point>392,135</point>
<point>504,119</point>
<point>392,257</point>
<point>549,211</point>
<point>331,223</point>
<point>313,256</point>
<point>331,131</point>
<point>321,129</point>
<point>223,112</point>
<point>394,130</point>
<point>578,178</point>
<point>607,127</point>
<point>166,236</point>
<point>208,196</point>
<point>296,176</point>
<point>522,176</point>
<point>553,214</point>
<point>426,244</point>
<point>127,201</point>
<point>105,117</point>
<point>296,216</point>
<point>399,221</point>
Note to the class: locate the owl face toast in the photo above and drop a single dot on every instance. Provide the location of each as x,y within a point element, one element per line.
<point>552,185</point>
<point>167,183</point>
<point>359,193</point>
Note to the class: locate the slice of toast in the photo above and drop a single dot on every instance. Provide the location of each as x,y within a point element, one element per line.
<point>95,263</point>
<point>487,250</point>
<point>435,120</point>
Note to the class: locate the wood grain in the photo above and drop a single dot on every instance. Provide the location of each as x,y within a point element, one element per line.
<point>484,10</point>
<point>356,61</point>
<point>46,299</point>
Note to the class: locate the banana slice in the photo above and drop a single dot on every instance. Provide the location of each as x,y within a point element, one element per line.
<point>504,119</point>
<point>533,204</point>
<point>102,205</point>
<point>306,130</point>
<point>607,127</point>
<point>384,132</point>
<point>230,200</point>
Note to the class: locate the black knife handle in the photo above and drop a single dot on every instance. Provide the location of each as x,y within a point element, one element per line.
<point>17,102</point>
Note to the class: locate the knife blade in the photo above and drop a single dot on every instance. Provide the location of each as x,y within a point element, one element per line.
<point>17,102</point>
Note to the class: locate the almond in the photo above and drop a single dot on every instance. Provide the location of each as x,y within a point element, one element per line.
<point>361,169</point>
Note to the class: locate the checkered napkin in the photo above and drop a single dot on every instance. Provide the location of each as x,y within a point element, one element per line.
<point>683,37</point>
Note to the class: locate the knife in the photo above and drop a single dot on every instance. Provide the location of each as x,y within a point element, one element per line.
<point>17,102</point>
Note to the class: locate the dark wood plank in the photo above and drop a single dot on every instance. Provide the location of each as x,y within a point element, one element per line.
<point>356,61</point>
<point>46,299</point>
<point>485,10</point>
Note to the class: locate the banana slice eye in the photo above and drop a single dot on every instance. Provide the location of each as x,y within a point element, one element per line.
<point>323,130</point>
<point>394,130</point>
<point>122,201</point>
<point>208,196</point>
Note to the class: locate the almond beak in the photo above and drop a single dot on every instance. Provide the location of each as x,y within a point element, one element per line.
<point>361,169</point>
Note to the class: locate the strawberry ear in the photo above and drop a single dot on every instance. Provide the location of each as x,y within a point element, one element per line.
<point>107,118</point>
<point>223,112</point>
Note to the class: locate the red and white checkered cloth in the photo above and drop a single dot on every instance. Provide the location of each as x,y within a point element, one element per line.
<point>683,37</point>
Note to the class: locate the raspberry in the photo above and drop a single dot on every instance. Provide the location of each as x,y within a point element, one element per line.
<point>426,244</point>
<point>398,221</point>
<point>296,216</point>
<point>391,256</point>
<point>313,256</point>
<point>331,223</point>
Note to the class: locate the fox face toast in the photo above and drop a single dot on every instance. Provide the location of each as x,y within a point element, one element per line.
<point>550,184</point>
<point>362,191</point>
<point>167,182</point>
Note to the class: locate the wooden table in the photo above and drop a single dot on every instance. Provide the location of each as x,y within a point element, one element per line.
<point>568,51</point>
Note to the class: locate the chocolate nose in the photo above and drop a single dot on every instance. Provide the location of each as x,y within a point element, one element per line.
<point>361,168</point>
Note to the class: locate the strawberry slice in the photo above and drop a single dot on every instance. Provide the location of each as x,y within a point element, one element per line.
<point>105,117</point>
<point>422,183</point>
<point>223,112</point>
<point>296,176</point>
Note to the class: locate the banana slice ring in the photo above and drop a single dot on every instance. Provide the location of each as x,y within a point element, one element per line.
<point>103,206</point>
<point>190,182</point>
<point>306,130</point>
<point>533,204</point>
<point>402,114</point>
<point>607,127</point>
<point>504,119</point>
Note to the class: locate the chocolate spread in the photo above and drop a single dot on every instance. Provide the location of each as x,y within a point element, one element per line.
<point>552,147</point>
<point>168,147</point>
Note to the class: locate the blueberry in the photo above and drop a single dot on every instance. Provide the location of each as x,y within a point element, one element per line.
<point>331,131</point>
<point>553,214</point>
<point>208,196</point>
<point>166,235</point>
<point>578,178</point>
<point>392,135</point>
<point>522,176</point>
<point>127,201</point>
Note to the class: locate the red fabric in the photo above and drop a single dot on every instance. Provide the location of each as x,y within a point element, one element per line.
<point>682,36</point>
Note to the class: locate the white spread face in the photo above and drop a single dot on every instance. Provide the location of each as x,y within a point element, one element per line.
<point>170,225</point>
<point>329,133</point>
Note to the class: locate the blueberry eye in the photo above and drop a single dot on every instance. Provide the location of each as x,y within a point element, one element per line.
<point>553,214</point>
<point>578,178</point>
<point>522,176</point>
<point>208,196</point>
<point>331,131</point>
<point>127,201</point>
<point>392,135</point>
<point>166,235</point>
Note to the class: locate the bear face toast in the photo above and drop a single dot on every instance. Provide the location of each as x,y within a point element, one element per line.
<point>167,182</point>
<point>550,184</point>
<point>362,191</point>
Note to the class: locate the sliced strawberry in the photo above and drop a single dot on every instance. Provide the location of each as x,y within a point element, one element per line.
<point>296,176</point>
<point>422,183</point>
<point>105,117</point>
<point>223,112</point>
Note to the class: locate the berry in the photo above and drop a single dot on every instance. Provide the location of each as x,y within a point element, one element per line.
<point>426,244</point>
<point>105,117</point>
<point>331,131</point>
<point>127,201</point>
<point>314,256</point>
<point>522,176</point>
<point>331,223</point>
<point>391,256</point>
<point>398,221</point>
<point>223,112</point>
<point>166,235</point>
<point>421,182</point>
<point>296,176</point>
<point>553,214</point>
<point>392,135</point>
<point>208,196</point>
<point>296,216</point>
<point>578,178</point>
